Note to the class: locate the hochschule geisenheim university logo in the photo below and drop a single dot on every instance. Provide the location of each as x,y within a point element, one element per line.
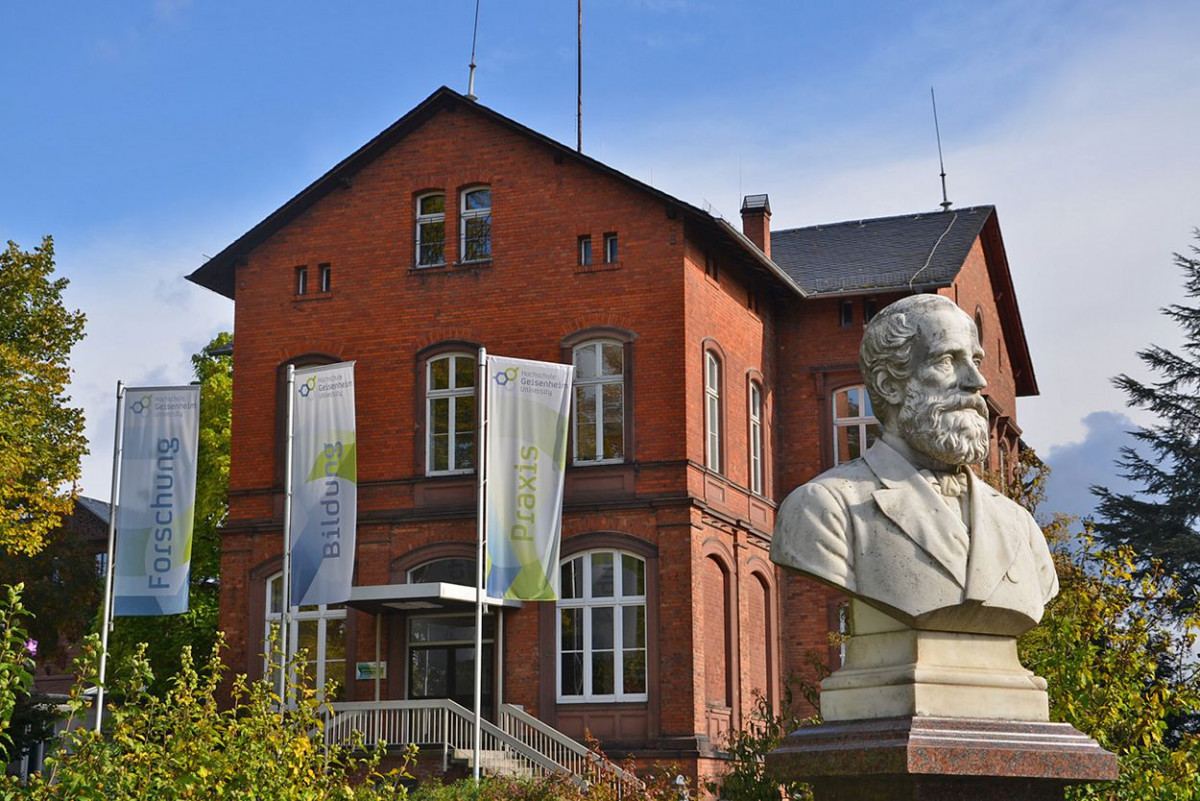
<point>507,377</point>
<point>142,404</point>
<point>308,387</point>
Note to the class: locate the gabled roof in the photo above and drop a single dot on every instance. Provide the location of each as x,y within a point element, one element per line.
<point>217,273</point>
<point>913,252</point>
<point>98,509</point>
<point>910,253</point>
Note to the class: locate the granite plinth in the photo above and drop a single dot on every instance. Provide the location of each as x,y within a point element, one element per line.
<point>940,758</point>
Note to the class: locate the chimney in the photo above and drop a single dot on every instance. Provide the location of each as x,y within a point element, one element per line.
<point>756,221</point>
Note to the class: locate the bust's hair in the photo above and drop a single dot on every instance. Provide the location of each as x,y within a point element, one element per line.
<point>886,352</point>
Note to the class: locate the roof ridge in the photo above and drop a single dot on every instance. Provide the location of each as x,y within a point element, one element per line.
<point>867,220</point>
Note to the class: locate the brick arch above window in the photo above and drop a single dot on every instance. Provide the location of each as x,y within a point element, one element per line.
<point>400,566</point>
<point>421,411</point>
<point>602,395</point>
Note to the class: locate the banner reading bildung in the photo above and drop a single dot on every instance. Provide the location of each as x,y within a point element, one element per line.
<point>528,407</point>
<point>156,500</point>
<point>324,485</point>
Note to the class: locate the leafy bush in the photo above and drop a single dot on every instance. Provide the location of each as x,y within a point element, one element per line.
<point>16,652</point>
<point>187,744</point>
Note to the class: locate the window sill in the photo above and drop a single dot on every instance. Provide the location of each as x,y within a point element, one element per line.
<point>601,267</point>
<point>307,296</point>
<point>604,699</point>
<point>445,267</point>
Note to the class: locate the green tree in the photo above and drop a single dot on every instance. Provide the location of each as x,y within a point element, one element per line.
<point>166,637</point>
<point>41,437</point>
<point>1118,656</point>
<point>1161,521</point>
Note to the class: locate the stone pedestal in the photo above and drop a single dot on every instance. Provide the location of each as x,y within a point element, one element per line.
<point>940,759</point>
<point>893,670</point>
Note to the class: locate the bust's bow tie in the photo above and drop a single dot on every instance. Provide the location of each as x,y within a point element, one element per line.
<point>952,485</point>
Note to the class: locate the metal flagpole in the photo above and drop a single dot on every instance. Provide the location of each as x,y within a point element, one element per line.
<point>284,612</point>
<point>110,567</point>
<point>481,512</point>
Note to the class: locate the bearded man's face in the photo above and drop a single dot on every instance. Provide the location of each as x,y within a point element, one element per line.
<point>944,415</point>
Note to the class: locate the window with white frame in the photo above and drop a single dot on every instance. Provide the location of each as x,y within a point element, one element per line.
<point>318,631</point>
<point>585,251</point>
<point>431,229</point>
<point>756,438</point>
<point>598,422</point>
<point>712,411</point>
<point>602,628</point>
<point>475,224</point>
<point>854,425</point>
<point>610,249</point>
<point>450,414</point>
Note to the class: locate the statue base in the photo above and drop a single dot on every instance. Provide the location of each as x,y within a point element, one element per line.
<point>892,670</point>
<point>940,759</point>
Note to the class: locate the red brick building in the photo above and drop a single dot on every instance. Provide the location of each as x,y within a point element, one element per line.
<point>716,370</point>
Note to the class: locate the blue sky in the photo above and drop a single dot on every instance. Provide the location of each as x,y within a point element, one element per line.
<point>146,134</point>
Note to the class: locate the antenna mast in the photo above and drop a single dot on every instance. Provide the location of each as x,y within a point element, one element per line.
<point>474,36</point>
<point>945,204</point>
<point>579,77</point>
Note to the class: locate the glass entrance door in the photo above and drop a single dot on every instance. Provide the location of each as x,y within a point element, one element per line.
<point>441,659</point>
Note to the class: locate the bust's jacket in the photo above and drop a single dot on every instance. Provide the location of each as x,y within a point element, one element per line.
<point>875,528</point>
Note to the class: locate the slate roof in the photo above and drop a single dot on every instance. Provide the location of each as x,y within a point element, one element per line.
<point>913,252</point>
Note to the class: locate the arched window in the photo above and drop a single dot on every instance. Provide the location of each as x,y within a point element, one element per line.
<point>755,414</point>
<point>475,224</point>
<point>431,229</point>
<point>712,411</point>
<point>598,419</point>
<point>602,628</point>
<point>319,631</point>
<point>451,570</point>
<point>450,414</point>
<point>854,425</point>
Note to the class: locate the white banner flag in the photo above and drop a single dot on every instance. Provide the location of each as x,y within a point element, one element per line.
<point>528,413</point>
<point>324,485</point>
<point>157,498</point>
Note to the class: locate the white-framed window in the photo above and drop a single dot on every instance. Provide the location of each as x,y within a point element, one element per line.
<point>324,277</point>
<point>475,224</point>
<point>602,628</point>
<point>712,411</point>
<point>319,631</point>
<point>756,437</point>
<point>450,414</point>
<point>585,251</point>
<point>610,249</point>
<point>302,279</point>
<point>431,229</point>
<point>854,425</point>
<point>598,419</point>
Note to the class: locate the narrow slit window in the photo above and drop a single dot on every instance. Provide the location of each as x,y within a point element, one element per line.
<point>610,249</point>
<point>302,280</point>
<point>324,275</point>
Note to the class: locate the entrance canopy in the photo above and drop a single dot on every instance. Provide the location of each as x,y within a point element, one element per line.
<point>439,596</point>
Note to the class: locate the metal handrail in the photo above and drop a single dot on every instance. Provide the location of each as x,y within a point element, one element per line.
<point>573,756</point>
<point>440,721</point>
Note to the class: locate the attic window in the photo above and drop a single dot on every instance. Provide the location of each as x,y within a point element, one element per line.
<point>870,309</point>
<point>301,284</point>
<point>846,312</point>
<point>710,266</point>
<point>324,277</point>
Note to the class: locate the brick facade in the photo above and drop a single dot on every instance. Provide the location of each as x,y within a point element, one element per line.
<point>723,625</point>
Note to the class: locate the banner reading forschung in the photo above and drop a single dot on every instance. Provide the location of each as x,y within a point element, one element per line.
<point>324,485</point>
<point>156,500</point>
<point>528,407</point>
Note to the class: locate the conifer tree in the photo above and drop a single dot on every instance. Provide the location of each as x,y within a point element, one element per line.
<point>1161,520</point>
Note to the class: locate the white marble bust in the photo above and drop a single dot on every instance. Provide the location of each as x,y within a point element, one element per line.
<point>908,528</point>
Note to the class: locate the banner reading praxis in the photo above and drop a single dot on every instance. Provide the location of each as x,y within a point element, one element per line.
<point>527,423</point>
